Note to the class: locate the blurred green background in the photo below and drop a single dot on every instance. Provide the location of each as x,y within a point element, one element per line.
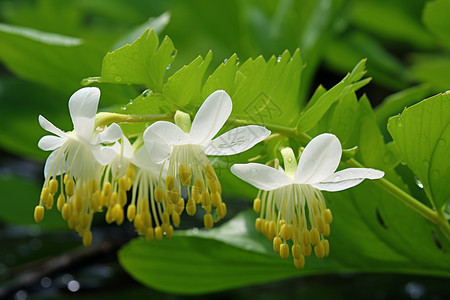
<point>47,47</point>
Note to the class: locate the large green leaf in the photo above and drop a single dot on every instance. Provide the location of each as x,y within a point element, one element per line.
<point>436,19</point>
<point>422,135</point>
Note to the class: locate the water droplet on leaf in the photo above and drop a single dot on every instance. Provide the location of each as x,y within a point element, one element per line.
<point>118,78</point>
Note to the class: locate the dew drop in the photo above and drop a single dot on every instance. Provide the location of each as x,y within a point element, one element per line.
<point>225,60</point>
<point>168,67</point>
<point>146,93</point>
<point>441,142</point>
<point>124,108</point>
<point>399,123</point>
<point>118,78</point>
<point>279,58</point>
<point>419,183</point>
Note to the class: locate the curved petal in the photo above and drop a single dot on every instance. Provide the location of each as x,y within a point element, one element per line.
<point>47,125</point>
<point>50,142</point>
<point>237,140</point>
<point>142,160</point>
<point>261,176</point>
<point>347,178</point>
<point>110,134</point>
<point>83,106</point>
<point>211,116</point>
<point>103,154</point>
<point>54,164</point>
<point>319,160</point>
<point>168,132</point>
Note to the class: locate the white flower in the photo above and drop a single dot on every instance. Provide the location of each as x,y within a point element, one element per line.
<point>282,204</point>
<point>186,150</point>
<point>77,156</point>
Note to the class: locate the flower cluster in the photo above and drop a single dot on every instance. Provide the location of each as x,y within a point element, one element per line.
<point>94,168</point>
<point>290,203</point>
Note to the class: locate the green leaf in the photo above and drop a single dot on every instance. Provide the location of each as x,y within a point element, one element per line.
<point>433,69</point>
<point>349,84</point>
<point>422,135</point>
<point>435,17</point>
<point>142,62</point>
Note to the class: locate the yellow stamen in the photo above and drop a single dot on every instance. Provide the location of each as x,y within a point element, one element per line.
<point>67,211</point>
<point>170,182</point>
<point>39,213</point>
<point>176,219</point>
<point>257,205</point>
<point>60,202</point>
<point>191,207</point>
<point>319,250</point>
<point>315,237</point>
<point>149,234</point>
<point>158,233</point>
<point>222,210</point>
<point>276,244</point>
<point>328,216</point>
<point>53,186</point>
<point>87,238</point>
<point>185,174</point>
<point>70,187</point>
<point>208,221</point>
<point>299,263</point>
<point>284,251</point>
<point>131,212</point>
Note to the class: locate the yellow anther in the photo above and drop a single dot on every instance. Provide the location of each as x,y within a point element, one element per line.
<point>276,244</point>
<point>176,219</point>
<point>92,186</point>
<point>158,233</point>
<point>66,178</point>
<point>257,205</point>
<point>123,183</point>
<point>169,207</point>
<point>131,173</point>
<point>131,212</point>
<point>212,185</point>
<point>210,174</point>
<point>159,195</point>
<point>73,221</point>
<point>207,208</point>
<point>296,251</point>
<point>49,202</point>
<point>173,196</point>
<point>307,249</point>
<point>179,207</point>
<point>208,221</point>
<point>169,231</point>
<point>149,234</point>
<point>185,174</point>
<point>326,232</point>
<point>259,224</point>
<point>319,250</point>
<point>39,213</point>
<point>218,187</point>
<point>138,224</point>
<point>60,202</point>
<point>222,210</point>
<point>281,223</point>
<point>306,237</point>
<point>107,189</point>
<point>286,232</point>
<point>320,223</point>
<point>95,201</point>
<point>109,216</point>
<point>206,200</point>
<point>191,207</point>
<point>87,238</point>
<point>315,236</point>
<point>67,211</point>
<point>272,232</point>
<point>147,219</point>
<point>78,202</point>
<point>44,195</point>
<point>114,199</point>
<point>129,184</point>
<point>117,213</point>
<point>216,199</point>
<point>122,197</point>
<point>326,246</point>
<point>284,251</point>
<point>53,186</point>
<point>165,218</point>
<point>328,216</point>
<point>170,182</point>
<point>84,221</point>
<point>299,263</point>
<point>266,227</point>
<point>103,200</point>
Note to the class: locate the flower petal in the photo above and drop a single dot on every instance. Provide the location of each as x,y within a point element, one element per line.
<point>167,132</point>
<point>211,116</point>
<point>142,160</point>
<point>50,142</point>
<point>237,140</point>
<point>110,134</point>
<point>54,164</point>
<point>83,106</point>
<point>261,176</point>
<point>103,154</point>
<point>347,178</point>
<point>47,125</point>
<point>319,160</point>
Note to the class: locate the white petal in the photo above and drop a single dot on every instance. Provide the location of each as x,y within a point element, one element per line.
<point>237,140</point>
<point>47,125</point>
<point>347,178</point>
<point>104,154</point>
<point>319,160</point>
<point>54,163</point>
<point>211,116</point>
<point>261,176</point>
<point>110,134</point>
<point>83,106</point>
<point>50,142</point>
<point>142,160</point>
<point>127,149</point>
<point>168,132</point>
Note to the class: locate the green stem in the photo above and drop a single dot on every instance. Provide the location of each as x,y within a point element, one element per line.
<point>104,118</point>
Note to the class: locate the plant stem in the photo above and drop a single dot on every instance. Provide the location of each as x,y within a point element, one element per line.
<point>104,118</point>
